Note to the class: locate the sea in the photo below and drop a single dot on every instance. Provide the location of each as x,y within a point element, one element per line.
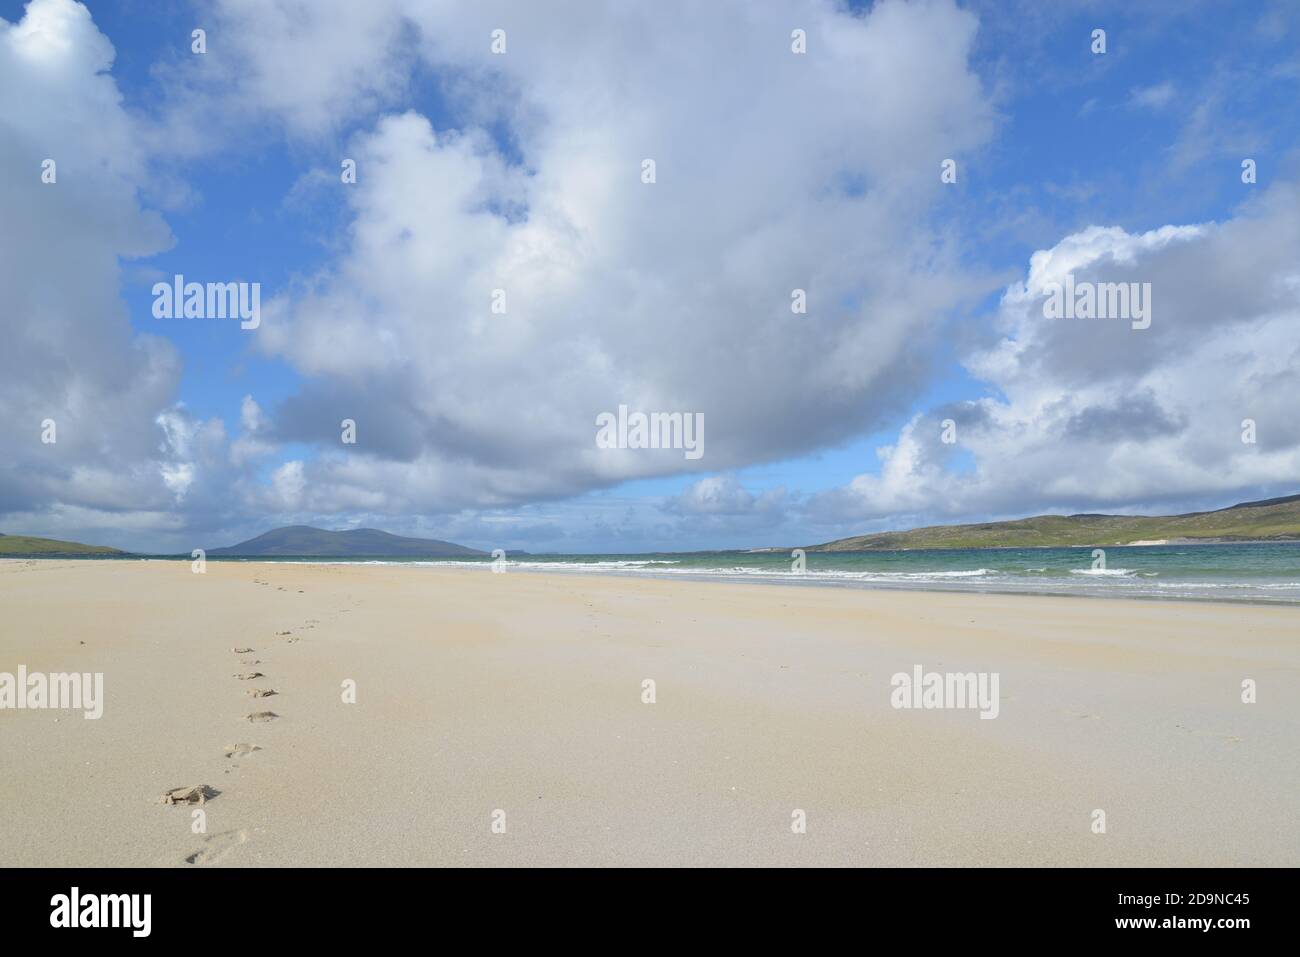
<point>1252,572</point>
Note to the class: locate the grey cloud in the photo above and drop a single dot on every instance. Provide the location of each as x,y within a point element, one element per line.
<point>1139,417</point>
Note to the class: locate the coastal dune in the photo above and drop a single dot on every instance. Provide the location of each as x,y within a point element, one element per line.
<point>455,716</point>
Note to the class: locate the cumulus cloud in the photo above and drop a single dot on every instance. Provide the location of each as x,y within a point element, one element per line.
<point>288,482</point>
<point>723,495</point>
<point>69,353</point>
<point>252,443</point>
<point>307,68</point>
<point>774,172</point>
<point>1091,414</point>
<point>128,461</point>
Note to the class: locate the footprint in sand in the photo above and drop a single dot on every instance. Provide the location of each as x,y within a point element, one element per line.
<point>250,661</point>
<point>261,716</point>
<point>240,750</point>
<point>242,651</point>
<point>217,846</point>
<point>190,794</point>
<point>261,692</point>
<point>250,675</point>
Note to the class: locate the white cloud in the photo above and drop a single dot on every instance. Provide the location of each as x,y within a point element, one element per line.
<point>1155,97</point>
<point>1093,414</point>
<point>775,172</point>
<point>723,495</point>
<point>251,444</point>
<point>69,353</point>
<point>288,482</point>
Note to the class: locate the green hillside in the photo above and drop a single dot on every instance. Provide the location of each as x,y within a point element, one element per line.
<point>22,546</point>
<point>1276,519</point>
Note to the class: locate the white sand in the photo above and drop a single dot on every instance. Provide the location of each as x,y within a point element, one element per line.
<point>522,692</point>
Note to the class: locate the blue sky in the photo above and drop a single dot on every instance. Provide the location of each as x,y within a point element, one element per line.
<point>239,151</point>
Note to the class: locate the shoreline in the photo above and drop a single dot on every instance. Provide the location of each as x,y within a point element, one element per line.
<point>1084,589</point>
<point>1153,543</point>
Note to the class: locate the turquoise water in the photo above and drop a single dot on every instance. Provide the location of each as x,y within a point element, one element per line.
<point>1253,572</point>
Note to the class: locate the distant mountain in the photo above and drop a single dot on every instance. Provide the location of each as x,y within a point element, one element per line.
<point>308,542</point>
<point>21,546</point>
<point>1275,519</point>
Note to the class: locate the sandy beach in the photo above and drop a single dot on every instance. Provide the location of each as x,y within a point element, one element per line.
<point>479,693</point>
